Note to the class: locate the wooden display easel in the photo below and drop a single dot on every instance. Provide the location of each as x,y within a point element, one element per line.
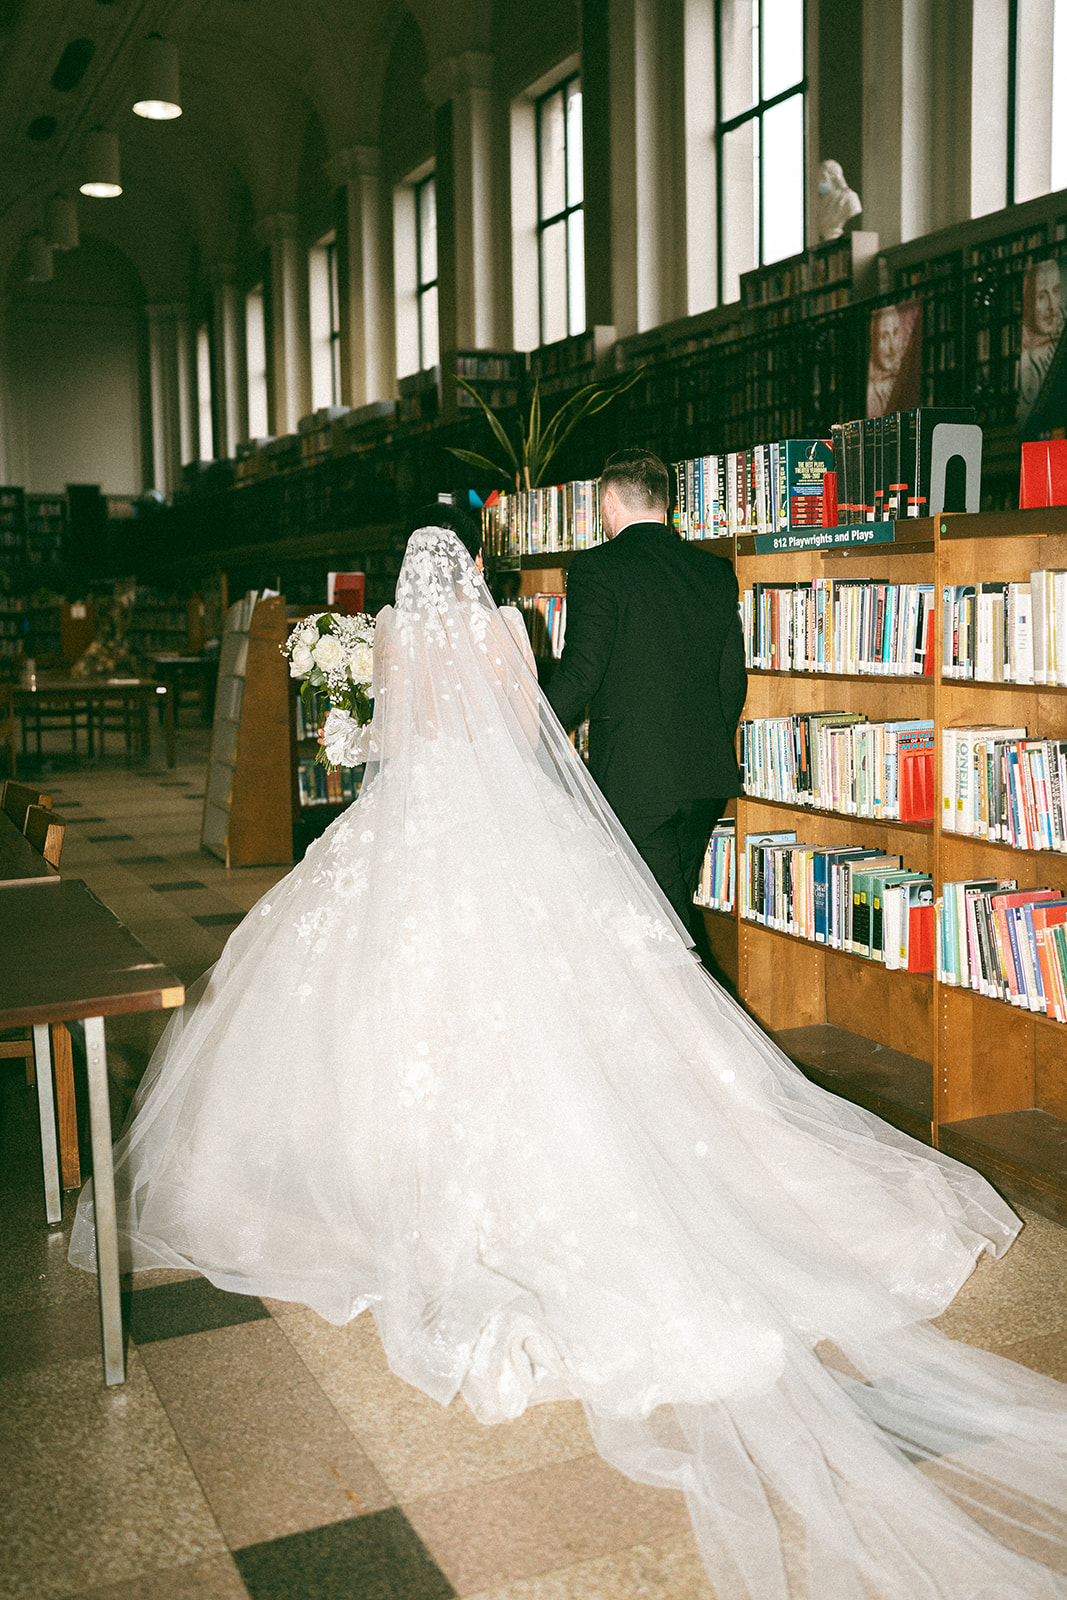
<point>248,806</point>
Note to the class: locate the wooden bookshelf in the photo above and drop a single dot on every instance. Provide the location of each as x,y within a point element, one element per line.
<point>983,1080</point>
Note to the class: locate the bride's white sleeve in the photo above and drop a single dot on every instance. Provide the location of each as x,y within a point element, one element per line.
<point>347,744</point>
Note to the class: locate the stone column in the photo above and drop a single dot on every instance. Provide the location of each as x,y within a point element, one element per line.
<point>286,297</point>
<point>367,363</point>
<point>470,304</point>
<point>228,377</point>
<point>168,334</point>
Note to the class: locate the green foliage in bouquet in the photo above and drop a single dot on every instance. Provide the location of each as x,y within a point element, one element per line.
<point>525,463</point>
<point>332,656</point>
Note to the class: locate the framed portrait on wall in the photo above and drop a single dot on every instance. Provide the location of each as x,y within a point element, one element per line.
<point>1042,327</point>
<point>894,365</point>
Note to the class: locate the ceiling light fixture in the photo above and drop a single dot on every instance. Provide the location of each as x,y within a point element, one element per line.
<point>102,177</point>
<point>38,258</point>
<point>156,80</point>
<point>61,222</point>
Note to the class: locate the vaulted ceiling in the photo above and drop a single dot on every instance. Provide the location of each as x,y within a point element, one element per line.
<point>255,74</point>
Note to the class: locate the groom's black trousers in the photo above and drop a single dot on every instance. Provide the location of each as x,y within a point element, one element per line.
<point>673,849</point>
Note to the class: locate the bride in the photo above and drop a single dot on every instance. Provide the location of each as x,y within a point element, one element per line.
<point>461,1067</point>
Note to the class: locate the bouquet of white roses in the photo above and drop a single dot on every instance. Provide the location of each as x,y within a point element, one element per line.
<point>334,656</point>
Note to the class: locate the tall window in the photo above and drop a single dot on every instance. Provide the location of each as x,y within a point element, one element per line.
<point>426,270</point>
<point>560,214</point>
<point>256,357</point>
<point>1059,96</point>
<point>325,321</point>
<point>761,88</point>
<point>205,434</point>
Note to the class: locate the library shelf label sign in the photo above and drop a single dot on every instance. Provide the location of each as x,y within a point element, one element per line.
<point>824,538</point>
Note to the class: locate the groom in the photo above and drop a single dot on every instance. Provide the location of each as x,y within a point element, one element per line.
<point>654,648</point>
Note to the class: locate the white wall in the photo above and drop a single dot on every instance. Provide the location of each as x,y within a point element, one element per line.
<point>74,377</point>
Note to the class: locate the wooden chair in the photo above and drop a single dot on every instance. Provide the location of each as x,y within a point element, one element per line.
<point>16,799</point>
<point>45,830</point>
<point>7,723</point>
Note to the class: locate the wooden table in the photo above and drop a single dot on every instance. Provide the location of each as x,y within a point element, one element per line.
<point>135,696</point>
<point>20,863</point>
<point>201,671</point>
<point>65,957</point>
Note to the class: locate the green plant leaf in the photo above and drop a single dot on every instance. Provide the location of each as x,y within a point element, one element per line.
<point>496,425</point>
<point>482,462</point>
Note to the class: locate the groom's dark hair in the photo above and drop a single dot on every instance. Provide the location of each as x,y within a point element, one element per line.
<point>439,514</point>
<point>639,478</point>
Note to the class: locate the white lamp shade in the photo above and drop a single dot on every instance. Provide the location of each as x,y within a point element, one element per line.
<point>38,259</point>
<point>156,80</point>
<point>61,222</point>
<point>102,177</point>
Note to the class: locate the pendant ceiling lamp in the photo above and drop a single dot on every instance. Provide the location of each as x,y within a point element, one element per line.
<point>38,258</point>
<point>102,178</point>
<point>61,222</point>
<point>155,80</point>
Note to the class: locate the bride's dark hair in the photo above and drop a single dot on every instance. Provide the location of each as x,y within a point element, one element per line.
<point>439,514</point>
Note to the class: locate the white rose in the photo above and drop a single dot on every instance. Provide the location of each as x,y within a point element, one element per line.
<point>301,661</point>
<point>361,663</point>
<point>327,653</point>
<point>309,634</point>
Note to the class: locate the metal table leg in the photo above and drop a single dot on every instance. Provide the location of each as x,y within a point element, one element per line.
<point>42,1061</point>
<point>107,1243</point>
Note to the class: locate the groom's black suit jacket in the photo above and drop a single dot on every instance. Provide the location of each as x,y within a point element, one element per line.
<point>654,648</point>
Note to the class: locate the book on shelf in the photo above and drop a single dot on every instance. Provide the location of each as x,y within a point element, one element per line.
<point>908,924</point>
<point>839,897</point>
<point>748,891</point>
<point>1043,473</point>
<point>834,761</point>
<point>562,517</point>
<point>316,786</point>
<point>883,464</point>
<point>839,625</point>
<point>718,871</point>
<point>1001,941</point>
<point>866,881</point>
<point>545,616</point>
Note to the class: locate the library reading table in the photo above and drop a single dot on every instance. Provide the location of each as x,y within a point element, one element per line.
<point>129,699</point>
<point>65,957</point>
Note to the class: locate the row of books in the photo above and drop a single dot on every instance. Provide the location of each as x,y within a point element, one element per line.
<point>998,784</point>
<point>318,787</point>
<point>1005,942</point>
<point>545,616</point>
<point>882,464</point>
<point>718,872</point>
<point>563,517</point>
<point>765,489</point>
<point>310,715</point>
<point>838,761</point>
<point>855,899</point>
<point>1007,632</point>
<point>839,625</point>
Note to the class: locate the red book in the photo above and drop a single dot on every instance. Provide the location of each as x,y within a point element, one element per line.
<point>1043,476</point>
<point>921,937</point>
<point>829,500</point>
<point>1000,905</point>
<point>345,592</point>
<point>916,784</point>
<point>1045,917</point>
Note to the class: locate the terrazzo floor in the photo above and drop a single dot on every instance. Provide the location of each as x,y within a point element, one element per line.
<point>255,1450</point>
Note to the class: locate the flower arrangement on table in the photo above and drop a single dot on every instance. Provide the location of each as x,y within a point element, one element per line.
<point>334,655</point>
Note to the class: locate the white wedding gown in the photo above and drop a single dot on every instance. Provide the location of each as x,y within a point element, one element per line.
<point>462,1067</point>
